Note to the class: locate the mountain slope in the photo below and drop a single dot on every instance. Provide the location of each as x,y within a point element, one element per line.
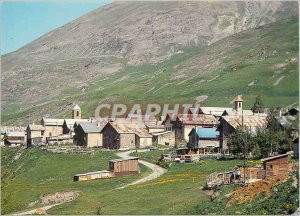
<point>89,58</point>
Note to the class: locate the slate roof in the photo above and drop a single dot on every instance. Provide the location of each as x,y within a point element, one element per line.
<point>70,122</point>
<point>34,127</point>
<point>88,127</point>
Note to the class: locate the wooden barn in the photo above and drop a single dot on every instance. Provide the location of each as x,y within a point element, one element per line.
<point>124,166</point>
<point>277,165</point>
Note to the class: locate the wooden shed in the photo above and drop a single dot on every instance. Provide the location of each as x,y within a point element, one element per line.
<point>277,165</point>
<point>124,166</point>
<point>93,175</point>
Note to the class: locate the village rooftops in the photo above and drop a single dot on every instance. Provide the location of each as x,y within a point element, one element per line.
<point>88,127</point>
<point>276,157</point>
<point>34,127</point>
<point>124,159</point>
<point>130,128</point>
<point>254,121</point>
<point>54,122</point>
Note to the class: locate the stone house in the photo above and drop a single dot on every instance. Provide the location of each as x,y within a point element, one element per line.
<point>206,140</point>
<point>164,138</point>
<point>182,124</point>
<point>35,134</point>
<point>118,135</point>
<point>53,127</point>
<point>228,124</point>
<point>15,138</point>
<point>88,135</point>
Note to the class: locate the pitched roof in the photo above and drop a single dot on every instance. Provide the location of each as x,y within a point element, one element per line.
<point>207,132</point>
<point>34,127</point>
<point>252,121</point>
<point>232,111</point>
<point>15,134</point>
<point>200,119</point>
<point>216,111</point>
<point>51,121</point>
<point>88,127</point>
<point>275,157</point>
<point>124,159</point>
<point>238,98</point>
<point>70,122</point>
<point>130,128</point>
<point>76,107</point>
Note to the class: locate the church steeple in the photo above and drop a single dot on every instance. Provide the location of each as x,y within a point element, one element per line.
<point>76,112</point>
<point>238,103</point>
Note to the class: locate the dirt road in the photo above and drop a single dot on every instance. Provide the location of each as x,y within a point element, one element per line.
<point>157,170</point>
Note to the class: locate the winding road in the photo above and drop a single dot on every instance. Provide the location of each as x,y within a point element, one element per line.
<point>156,170</point>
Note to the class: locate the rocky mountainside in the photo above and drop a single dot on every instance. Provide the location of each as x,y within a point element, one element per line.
<point>70,59</point>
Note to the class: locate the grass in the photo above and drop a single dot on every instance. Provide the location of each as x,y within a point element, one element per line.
<point>277,41</point>
<point>43,172</point>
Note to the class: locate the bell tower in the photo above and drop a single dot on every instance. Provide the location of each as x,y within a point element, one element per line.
<point>238,103</point>
<point>76,112</point>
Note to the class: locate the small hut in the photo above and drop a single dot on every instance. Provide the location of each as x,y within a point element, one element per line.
<point>124,166</point>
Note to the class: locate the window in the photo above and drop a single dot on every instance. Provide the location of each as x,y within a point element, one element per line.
<point>50,134</point>
<point>240,105</point>
<point>42,133</point>
<point>77,113</point>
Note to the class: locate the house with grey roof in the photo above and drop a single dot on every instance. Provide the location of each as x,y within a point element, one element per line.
<point>35,134</point>
<point>88,134</point>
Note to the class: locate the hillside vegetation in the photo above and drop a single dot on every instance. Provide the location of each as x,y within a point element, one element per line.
<point>260,61</point>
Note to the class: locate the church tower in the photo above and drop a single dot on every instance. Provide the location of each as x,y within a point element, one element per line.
<point>238,103</point>
<point>76,112</point>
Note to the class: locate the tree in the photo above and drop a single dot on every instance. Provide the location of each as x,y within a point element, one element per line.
<point>237,140</point>
<point>256,151</point>
<point>273,129</point>
<point>258,106</point>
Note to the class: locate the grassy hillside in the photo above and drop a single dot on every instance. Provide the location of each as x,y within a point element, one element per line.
<point>261,61</point>
<point>39,172</point>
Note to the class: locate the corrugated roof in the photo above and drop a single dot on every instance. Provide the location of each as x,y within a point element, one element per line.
<point>130,128</point>
<point>50,121</point>
<point>88,127</point>
<point>34,127</point>
<point>252,121</point>
<point>207,132</point>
